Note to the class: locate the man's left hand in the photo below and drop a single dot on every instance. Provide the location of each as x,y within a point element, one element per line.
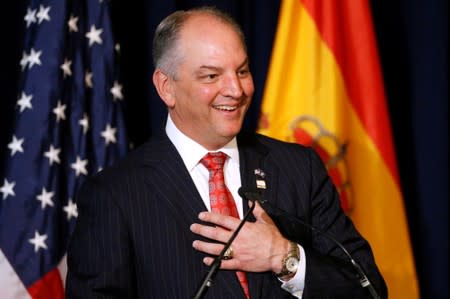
<point>258,247</point>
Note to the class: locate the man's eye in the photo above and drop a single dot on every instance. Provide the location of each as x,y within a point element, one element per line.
<point>243,73</point>
<point>208,77</point>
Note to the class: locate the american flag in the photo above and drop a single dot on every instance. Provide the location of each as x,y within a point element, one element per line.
<point>69,124</point>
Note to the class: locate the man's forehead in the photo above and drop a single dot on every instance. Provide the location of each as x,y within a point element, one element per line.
<point>202,24</point>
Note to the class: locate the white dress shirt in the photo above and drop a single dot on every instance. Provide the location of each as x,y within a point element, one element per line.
<point>191,152</point>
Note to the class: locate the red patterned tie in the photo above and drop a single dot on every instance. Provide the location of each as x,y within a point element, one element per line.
<point>222,201</point>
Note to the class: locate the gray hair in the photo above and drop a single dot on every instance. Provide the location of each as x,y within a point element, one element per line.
<point>164,52</point>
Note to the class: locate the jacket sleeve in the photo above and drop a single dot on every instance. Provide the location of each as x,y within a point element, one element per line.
<point>98,254</point>
<point>329,272</point>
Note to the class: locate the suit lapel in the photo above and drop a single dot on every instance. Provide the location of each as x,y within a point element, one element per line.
<point>256,173</point>
<point>171,179</point>
<point>182,198</point>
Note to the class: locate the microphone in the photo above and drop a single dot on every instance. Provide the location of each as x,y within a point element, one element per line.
<point>287,223</point>
<point>209,277</point>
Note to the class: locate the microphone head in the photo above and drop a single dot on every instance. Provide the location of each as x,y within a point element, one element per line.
<point>241,193</point>
<point>249,194</point>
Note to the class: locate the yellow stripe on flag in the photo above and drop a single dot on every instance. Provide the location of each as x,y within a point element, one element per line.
<point>306,96</point>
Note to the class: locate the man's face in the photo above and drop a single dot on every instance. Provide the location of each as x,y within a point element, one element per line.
<point>213,85</point>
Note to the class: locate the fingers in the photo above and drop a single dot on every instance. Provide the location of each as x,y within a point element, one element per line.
<point>227,222</point>
<point>214,249</point>
<point>221,232</point>
<point>254,247</point>
<point>208,248</point>
<point>222,229</point>
<point>216,233</point>
<point>225,264</point>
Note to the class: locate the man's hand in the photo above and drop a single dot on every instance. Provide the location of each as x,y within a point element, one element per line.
<point>258,247</point>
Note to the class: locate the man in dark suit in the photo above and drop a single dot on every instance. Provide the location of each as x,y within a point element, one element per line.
<point>147,228</point>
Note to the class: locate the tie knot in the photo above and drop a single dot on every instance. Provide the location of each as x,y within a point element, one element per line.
<point>214,161</point>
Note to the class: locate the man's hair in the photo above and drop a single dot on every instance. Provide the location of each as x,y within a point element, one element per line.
<point>164,52</point>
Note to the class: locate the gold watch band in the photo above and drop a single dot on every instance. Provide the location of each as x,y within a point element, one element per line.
<point>290,261</point>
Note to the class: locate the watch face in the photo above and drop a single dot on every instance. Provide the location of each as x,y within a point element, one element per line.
<point>292,264</point>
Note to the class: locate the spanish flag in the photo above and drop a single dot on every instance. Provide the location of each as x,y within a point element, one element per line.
<point>325,89</point>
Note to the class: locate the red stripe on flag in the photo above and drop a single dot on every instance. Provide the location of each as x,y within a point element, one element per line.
<point>49,286</point>
<point>346,27</point>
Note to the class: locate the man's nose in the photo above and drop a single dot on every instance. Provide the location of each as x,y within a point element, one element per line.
<point>233,87</point>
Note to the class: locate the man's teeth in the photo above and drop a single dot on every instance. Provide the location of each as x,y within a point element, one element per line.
<point>226,108</point>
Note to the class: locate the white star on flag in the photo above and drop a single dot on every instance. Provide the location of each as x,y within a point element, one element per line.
<point>79,166</point>
<point>71,209</point>
<point>109,134</point>
<point>43,14</point>
<point>30,17</point>
<point>38,241</point>
<point>73,26</point>
<point>24,61</point>
<point>59,111</point>
<point>45,198</point>
<point>116,91</point>
<point>94,35</point>
<point>88,79</point>
<point>7,188</point>
<point>25,101</point>
<point>53,155</point>
<point>84,122</point>
<point>16,145</point>
<point>66,67</point>
<point>34,58</point>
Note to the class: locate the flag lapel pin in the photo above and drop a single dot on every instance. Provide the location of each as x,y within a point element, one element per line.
<point>260,182</point>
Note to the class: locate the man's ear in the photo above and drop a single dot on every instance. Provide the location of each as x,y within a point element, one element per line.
<point>163,85</point>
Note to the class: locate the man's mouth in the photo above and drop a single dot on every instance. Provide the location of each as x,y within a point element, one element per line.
<point>225,107</point>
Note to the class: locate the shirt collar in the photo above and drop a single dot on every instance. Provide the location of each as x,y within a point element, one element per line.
<point>191,152</point>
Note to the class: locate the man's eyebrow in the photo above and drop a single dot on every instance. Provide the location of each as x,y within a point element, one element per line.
<point>215,68</point>
<point>209,67</point>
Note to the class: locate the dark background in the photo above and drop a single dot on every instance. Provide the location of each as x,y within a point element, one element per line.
<point>413,43</point>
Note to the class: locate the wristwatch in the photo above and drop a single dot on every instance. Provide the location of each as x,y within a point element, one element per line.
<point>290,261</point>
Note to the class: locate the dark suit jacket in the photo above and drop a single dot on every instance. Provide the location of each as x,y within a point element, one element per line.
<point>132,237</point>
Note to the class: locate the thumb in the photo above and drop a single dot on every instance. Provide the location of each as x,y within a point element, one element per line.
<point>260,214</point>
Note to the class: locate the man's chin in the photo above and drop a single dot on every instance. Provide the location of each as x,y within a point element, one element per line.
<point>231,131</point>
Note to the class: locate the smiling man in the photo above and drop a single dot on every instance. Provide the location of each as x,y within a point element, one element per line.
<point>150,226</point>
<point>210,88</point>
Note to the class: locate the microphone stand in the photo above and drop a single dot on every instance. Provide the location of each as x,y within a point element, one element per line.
<point>208,280</point>
<point>279,215</point>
